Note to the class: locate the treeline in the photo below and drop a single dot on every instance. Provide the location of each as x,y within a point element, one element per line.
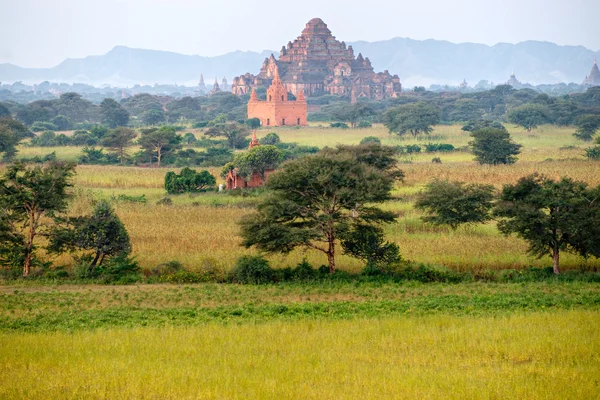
<point>454,107</point>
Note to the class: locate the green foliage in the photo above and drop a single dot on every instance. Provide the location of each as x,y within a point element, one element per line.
<point>113,114</point>
<point>587,126</point>
<point>84,138</point>
<point>121,269</point>
<point>370,139</point>
<point>365,124</point>
<point>258,160</point>
<point>314,198</point>
<point>253,123</point>
<point>340,125</point>
<point>438,147</point>
<point>593,153</point>
<point>552,216</point>
<point>189,139</point>
<point>11,134</point>
<point>102,233</point>
<point>252,269</point>
<point>455,203</point>
<point>270,138</point>
<point>352,113</point>
<point>366,242</point>
<point>414,118</point>
<point>28,197</point>
<point>62,123</point>
<point>158,142</point>
<point>494,146</point>
<point>475,125</point>
<point>235,133</point>
<point>155,116</point>
<point>118,140</point>
<point>43,126</point>
<point>529,116</point>
<point>93,156</point>
<point>188,181</point>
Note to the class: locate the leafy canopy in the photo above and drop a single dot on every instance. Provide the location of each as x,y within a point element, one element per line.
<point>314,199</point>
<point>413,118</point>
<point>494,146</point>
<point>455,203</point>
<point>552,216</point>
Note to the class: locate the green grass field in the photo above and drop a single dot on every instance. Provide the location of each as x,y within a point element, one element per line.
<point>337,340</point>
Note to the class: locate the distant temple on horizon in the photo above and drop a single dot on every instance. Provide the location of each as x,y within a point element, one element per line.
<point>513,81</point>
<point>277,109</point>
<point>593,79</point>
<point>316,63</point>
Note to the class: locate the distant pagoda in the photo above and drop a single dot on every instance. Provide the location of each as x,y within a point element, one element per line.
<point>513,81</point>
<point>593,79</point>
<point>215,88</point>
<point>316,63</point>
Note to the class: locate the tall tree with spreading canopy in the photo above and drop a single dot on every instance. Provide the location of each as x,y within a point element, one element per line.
<point>529,116</point>
<point>315,199</point>
<point>235,133</point>
<point>413,118</point>
<point>587,126</point>
<point>552,216</point>
<point>118,140</point>
<point>29,195</point>
<point>455,203</point>
<point>159,141</point>
<point>113,114</point>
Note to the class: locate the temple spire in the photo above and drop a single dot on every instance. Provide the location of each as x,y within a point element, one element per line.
<point>254,142</point>
<point>300,96</point>
<point>253,96</point>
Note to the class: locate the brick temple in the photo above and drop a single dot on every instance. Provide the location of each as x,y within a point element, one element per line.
<point>235,181</point>
<point>316,63</point>
<point>277,109</point>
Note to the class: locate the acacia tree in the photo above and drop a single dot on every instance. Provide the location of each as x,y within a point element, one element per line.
<point>455,203</point>
<point>587,126</point>
<point>235,133</point>
<point>553,216</point>
<point>529,116</point>
<point>315,199</point>
<point>118,140</point>
<point>27,196</point>
<point>158,142</point>
<point>494,146</point>
<point>413,118</point>
<point>353,113</point>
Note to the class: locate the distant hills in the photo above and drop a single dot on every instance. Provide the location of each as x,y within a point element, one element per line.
<point>417,62</point>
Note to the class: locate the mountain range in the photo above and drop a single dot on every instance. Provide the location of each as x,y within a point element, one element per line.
<point>417,62</point>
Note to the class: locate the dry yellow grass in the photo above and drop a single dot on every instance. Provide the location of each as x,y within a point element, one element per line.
<point>546,355</point>
<point>192,233</point>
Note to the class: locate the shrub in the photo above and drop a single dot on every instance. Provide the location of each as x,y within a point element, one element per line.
<point>436,160</point>
<point>413,148</point>
<point>188,181</point>
<point>365,124</point>
<point>438,147</point>
<point>252,269</point>
<point>165,201</point>
<point>370,139</point>
<point>271,138</point>
<point>340,125</point>
<point>120,269</point>
<point>593,153</point>
<point>39,126</point>
<point>303,271</point>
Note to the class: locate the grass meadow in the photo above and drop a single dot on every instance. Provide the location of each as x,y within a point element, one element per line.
<point>331,339</point>
<point>522,356</point>
<point>197,228</point>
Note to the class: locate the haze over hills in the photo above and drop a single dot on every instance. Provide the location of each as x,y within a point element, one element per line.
<point>417,62</point>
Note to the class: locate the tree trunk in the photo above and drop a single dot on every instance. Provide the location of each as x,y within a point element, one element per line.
<point>158,157</point>
<point>555,259</point>
<point>331,255</point>
<point>29,245</point>
<point>94,262</point>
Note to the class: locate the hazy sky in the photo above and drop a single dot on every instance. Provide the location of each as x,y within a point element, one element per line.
<point>42,33</point>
